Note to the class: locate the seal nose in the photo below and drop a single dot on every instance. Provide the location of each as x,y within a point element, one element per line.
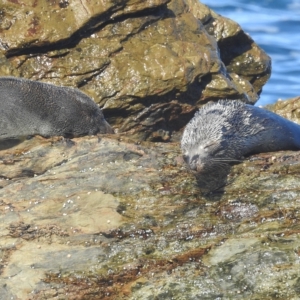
<point>193,162</point>
<point>107,128</point>
<point>185,158</point>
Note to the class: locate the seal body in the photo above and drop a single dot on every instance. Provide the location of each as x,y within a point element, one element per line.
<point>30,107</point>
<point>226,131</point>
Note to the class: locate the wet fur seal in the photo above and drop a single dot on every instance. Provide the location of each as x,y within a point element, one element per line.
<point>228,130</point>
<point>35,108</point>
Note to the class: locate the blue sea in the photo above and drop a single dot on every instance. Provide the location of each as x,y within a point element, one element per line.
<point>275,27</point>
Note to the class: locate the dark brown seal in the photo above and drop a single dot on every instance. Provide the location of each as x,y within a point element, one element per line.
<point>34,108</point>
<point>226,131</point>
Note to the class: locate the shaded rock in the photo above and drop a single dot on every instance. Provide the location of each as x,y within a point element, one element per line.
<point>149,64</point>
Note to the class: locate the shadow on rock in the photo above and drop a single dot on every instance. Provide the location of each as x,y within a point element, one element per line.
<point>212,183</point>
<point>10,143</point>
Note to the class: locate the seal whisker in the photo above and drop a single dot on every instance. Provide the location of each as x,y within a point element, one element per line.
<point>219,159</point>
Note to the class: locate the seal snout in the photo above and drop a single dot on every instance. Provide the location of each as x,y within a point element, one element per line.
<point>192,162</point>
<point>104,127</point>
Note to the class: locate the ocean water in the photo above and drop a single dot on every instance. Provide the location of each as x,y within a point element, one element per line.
<point>275,26</point>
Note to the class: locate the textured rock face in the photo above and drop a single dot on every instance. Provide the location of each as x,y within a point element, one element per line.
<point>104,218</point>
<point>109,218</point>
<point>148,64</point>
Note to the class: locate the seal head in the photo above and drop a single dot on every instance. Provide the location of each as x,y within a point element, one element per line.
<point>30,107</point>
<point>226,131</point>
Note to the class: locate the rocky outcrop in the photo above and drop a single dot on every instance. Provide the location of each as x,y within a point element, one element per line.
<point>105,218</point>
<point>110,217</point>
<point>148,64</point>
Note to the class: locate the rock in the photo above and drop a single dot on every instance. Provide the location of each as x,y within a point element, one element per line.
<point>104,217</point>
<point>288,109</point>
<point>110,217</point>
<point>149,64</point>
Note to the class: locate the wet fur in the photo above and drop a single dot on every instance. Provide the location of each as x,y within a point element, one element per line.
<point>30,107</point>
<point>226,131</point>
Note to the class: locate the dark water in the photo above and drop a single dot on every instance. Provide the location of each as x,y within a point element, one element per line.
<point>275,27</point>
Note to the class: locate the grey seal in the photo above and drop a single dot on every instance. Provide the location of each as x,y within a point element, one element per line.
<point>35,108</point>
<point>228,130</point>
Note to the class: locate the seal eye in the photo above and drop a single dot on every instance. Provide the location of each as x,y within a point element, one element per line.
<point>209,145</point>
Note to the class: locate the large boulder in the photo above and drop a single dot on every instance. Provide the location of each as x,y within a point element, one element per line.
<point>149,64</point>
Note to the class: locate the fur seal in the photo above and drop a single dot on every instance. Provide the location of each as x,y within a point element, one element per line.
<point>228,130</point>
<point>35,108</point>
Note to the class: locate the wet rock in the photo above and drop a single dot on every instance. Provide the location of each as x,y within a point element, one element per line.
<point>112,218</point>
<point>107,217</point>
<point>149,64</point>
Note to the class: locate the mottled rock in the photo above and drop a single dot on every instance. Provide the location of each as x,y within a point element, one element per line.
<point>111,218</point>
<point>104,217</point>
